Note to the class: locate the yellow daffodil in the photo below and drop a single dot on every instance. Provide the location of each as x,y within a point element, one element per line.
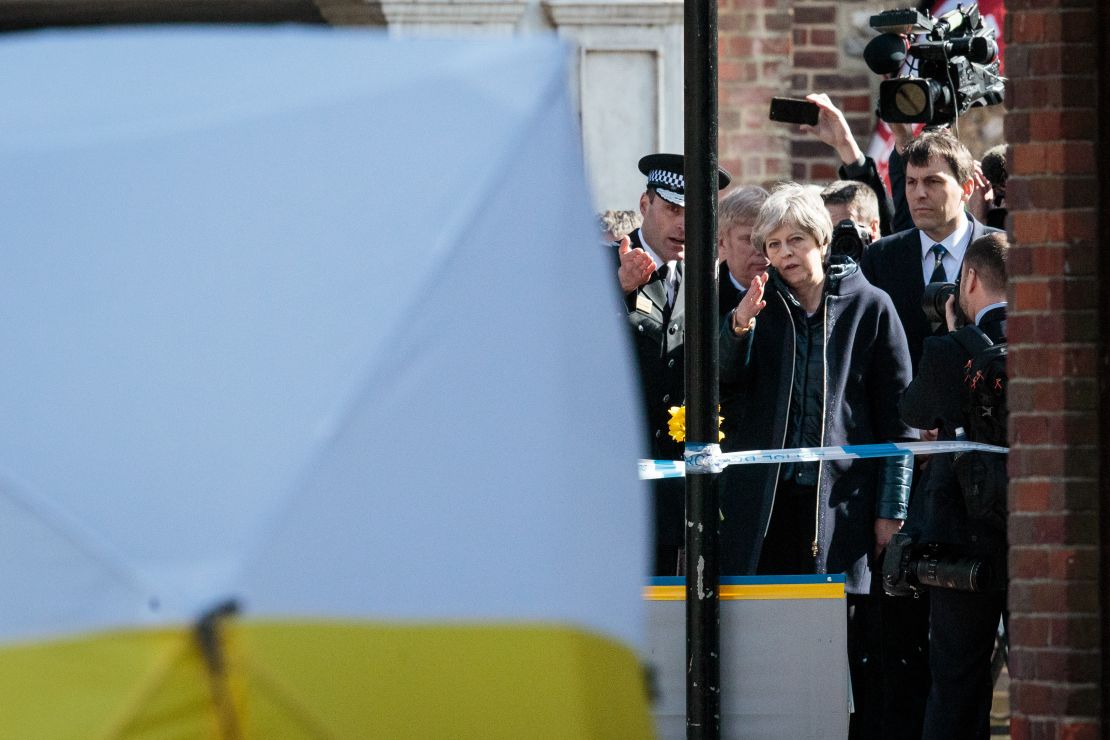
<point>676,426</point>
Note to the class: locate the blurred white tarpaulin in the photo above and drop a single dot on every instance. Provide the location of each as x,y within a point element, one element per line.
<point>313,321</point>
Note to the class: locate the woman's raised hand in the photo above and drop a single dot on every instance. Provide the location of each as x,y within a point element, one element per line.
<point>750,305</point>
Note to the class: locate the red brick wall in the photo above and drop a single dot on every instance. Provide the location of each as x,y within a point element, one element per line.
<point>754,56</point>
<point>820,64</point>
<point>1058,610</point>
<point>788,48</point>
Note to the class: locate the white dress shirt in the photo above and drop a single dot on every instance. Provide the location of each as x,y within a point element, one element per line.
<point>956,243</point>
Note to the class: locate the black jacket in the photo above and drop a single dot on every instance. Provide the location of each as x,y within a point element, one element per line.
<point>867,368</point>
<point>896,172</point>
<point>658,337</point>
<point>894,264</point>
<point>868,173</point>
<point>728,295</point>
<point>933,400</point>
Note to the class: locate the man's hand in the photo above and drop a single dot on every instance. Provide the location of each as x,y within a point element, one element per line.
<point>750,305</point>
<point>884,530</point>
<point>833,129</point>
<point>903,134</point>
<point>982,197</point>
<point>950,313</point>
<point>636,266</point>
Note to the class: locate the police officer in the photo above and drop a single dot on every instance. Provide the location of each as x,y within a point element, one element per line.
<point>963,624</point>
<point>650,275</point>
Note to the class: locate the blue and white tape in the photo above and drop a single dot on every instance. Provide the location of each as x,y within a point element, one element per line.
<point>702,458</point>
<point>655,469</point>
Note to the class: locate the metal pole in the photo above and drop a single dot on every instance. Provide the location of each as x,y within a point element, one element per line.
<point>703,623</point>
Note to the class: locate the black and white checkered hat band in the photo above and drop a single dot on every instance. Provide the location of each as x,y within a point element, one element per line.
<point>670,186</point>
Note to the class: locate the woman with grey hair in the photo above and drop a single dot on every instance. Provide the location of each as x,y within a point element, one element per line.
<point>817,357</point>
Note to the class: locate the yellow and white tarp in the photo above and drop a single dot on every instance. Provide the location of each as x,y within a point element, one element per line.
<point>317,413</point>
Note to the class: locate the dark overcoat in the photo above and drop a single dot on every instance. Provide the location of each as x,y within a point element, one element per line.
<point>866,369</point>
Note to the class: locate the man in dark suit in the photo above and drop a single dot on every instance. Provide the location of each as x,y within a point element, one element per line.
<point>963,624</point>
<point>939,181</point>
<point>650,275</point>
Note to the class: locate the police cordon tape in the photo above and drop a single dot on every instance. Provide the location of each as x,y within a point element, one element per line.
<point>709,460</point>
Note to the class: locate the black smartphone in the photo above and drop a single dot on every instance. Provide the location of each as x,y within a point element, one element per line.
<point>792,110</point>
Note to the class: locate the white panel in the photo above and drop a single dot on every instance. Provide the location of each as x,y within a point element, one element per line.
<point>619,121</point>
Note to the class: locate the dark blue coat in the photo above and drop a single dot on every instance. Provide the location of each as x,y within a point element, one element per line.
<point>867,367</point>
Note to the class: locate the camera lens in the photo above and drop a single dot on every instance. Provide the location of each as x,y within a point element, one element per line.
<point>962,574</point>
<point>936,295</point>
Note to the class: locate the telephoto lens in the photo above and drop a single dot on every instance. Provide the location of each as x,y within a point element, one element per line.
<point>961,574</point>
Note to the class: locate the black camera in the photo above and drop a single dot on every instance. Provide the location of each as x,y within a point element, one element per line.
<point>934,298</point>
<point>849,239</point>
<point>908,567</point>
<point>954,69</point>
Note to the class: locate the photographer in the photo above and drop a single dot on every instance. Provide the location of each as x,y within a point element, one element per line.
<point>962,527</point>
<point>855,215</point>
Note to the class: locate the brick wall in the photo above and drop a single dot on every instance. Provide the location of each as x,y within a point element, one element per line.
<point>1057,607</point>
<point>789,48</point>
<point>754,56</point>
<point>822,64</point>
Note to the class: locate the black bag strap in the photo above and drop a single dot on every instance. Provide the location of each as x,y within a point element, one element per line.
<point>973,339</point>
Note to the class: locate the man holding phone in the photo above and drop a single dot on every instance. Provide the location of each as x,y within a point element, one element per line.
<point>818,116</point>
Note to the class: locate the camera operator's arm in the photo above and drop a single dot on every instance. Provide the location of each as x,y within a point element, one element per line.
<point>896,171</point>
<point>833,129</point>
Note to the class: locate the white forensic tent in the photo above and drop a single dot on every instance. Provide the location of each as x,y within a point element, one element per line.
<point>316,323</point>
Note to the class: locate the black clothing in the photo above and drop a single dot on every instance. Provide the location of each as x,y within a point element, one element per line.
<point>868,174</point>
<point>807,395</point>
<point>787,544</point>
<point>962,625</point>
<point>963,628</point>
<point>728,295</point>
<point>896,172</point>
<point>932,400</point>
<point>894,264</point>
<point>866,367</point>
<point>658,332</point>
